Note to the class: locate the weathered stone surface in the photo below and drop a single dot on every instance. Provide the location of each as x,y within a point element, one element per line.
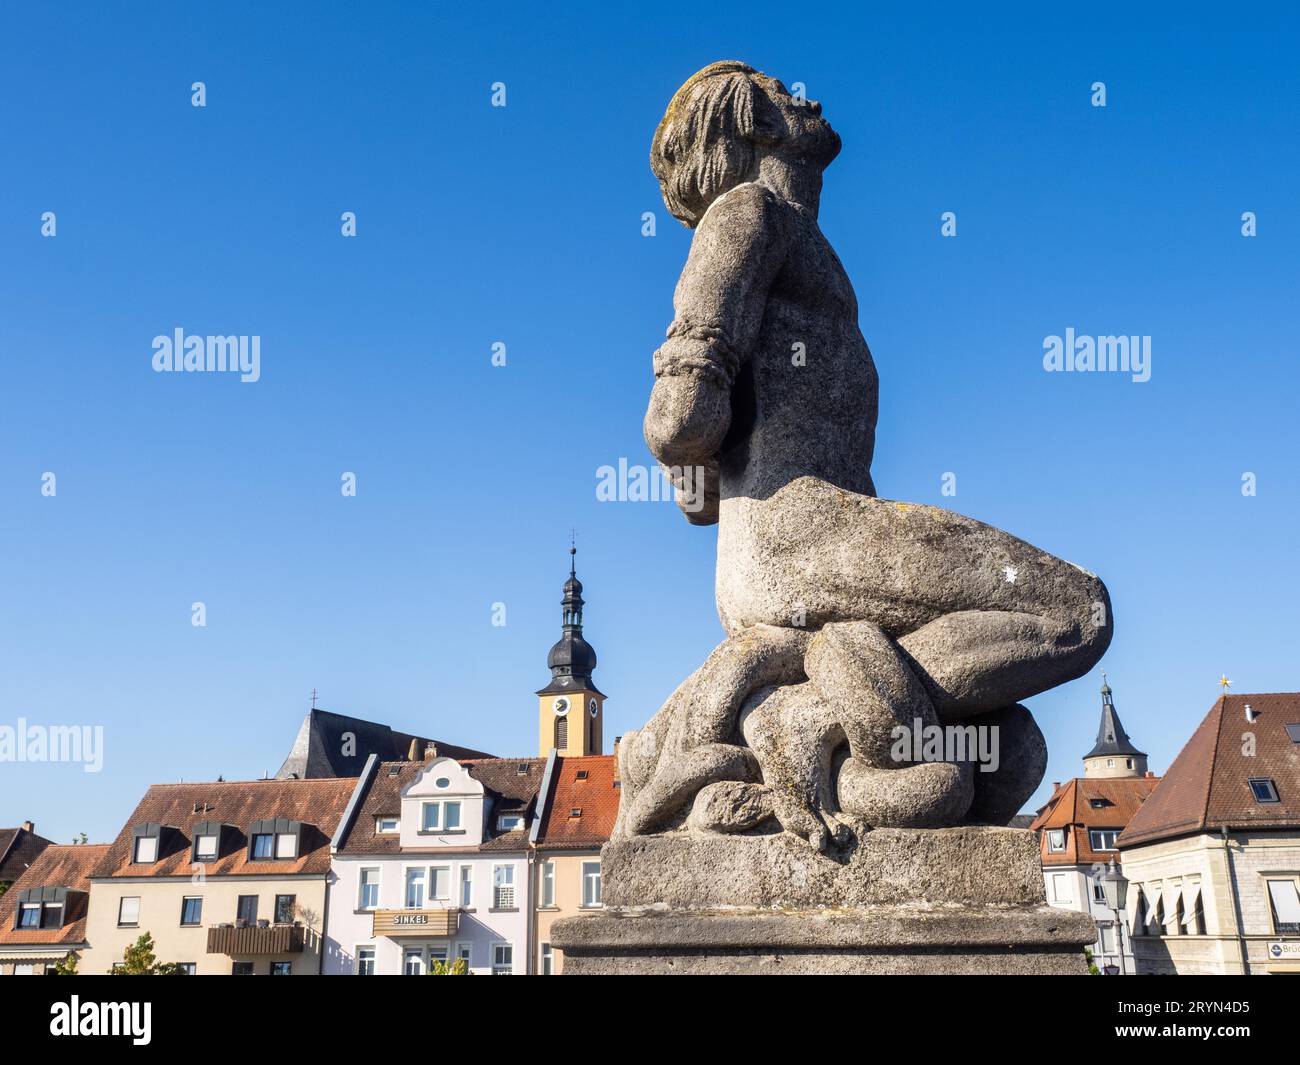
<point>1023,761</point>
<point>729,806</point>
<point>909,939</point>
<point>684,870</point>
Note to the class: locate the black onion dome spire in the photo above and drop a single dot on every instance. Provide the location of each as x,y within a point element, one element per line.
<point>572,660</point>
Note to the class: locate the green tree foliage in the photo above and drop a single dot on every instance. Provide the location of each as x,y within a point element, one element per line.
<point>140,960</point>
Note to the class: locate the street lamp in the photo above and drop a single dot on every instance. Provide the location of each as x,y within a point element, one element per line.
<point>1115,888</point>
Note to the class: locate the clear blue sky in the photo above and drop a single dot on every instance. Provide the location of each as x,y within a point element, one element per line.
<point>523,225</point>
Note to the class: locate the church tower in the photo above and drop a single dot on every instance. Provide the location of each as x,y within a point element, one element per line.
<point>1114,754</point>
<point>571,707</point>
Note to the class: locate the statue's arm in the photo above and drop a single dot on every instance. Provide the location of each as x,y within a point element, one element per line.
<point>735,255</point>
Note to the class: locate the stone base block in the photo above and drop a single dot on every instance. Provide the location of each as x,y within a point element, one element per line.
<point>970,864</point>
<point>876,940</point>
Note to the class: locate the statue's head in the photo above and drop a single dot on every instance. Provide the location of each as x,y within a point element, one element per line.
<point>719,125</point>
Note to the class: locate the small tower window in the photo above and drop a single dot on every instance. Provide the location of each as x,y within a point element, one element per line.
<point>561,732</point>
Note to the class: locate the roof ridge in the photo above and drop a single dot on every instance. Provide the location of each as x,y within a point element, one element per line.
<point>1214,755</point>
<point>262,780</point>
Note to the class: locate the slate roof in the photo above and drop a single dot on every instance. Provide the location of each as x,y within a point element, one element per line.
<point>1207,787</point>
<point>510,791</point>
<point>322,747</point>
<point>318,804</point>
<point>18,849</point>
<point>1086,803</point>
<point>1111,737</point>
<point>57,865</point>
<point>585,784</point>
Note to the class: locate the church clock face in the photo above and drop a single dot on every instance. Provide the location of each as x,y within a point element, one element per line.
<point>593,706</point>
<point>561,706</point>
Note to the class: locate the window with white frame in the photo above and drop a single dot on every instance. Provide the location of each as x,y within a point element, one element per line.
<point>510,822</point>
<point>128,911</point>
<point>413,961</point>
<point>503,959</point>
<point>548,960</point>
<point>386,826</point>
<point>414,889</point>
<point>1098,891</point>
<point>1286,907</point>
<point>440,883</point>
<point>146,850</point>
<point>591,883</point>
<point>1056,839</point>
<point>465,952</point>
<point>503,887</point>
<point>368,898</point>
<point>365,961</point>
<point>1102,839</point>
<point>1061,888</point>
<point>548,883</point>
<point>467,886</point>
<point>443,816</point>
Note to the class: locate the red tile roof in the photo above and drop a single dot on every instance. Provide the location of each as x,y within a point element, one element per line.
<point>1208,788</point>
<point>594,795</point>
<point>316,803</point>
<point>1071,808</point>
<point>56,866</point>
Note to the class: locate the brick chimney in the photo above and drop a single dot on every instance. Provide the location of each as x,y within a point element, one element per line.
<point>29,827</point>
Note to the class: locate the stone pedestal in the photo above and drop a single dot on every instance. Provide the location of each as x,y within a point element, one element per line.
<point>955,900</point>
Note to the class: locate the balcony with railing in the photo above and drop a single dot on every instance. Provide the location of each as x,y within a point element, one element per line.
<point>256,939</point>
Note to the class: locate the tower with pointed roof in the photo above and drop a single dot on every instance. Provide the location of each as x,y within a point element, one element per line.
<point>571,707</point>
<point>1113,755</point>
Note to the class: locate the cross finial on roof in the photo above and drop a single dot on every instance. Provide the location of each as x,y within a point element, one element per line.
<point>313,698</point>
<point>573,553</point>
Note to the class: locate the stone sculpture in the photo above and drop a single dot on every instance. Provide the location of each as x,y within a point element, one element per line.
<point>848,614</point>
<point>770,778</point>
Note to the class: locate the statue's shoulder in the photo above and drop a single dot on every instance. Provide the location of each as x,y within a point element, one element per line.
<point>749,206</point>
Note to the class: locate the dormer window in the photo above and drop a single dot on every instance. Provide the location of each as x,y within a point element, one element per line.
<point>145,843</point>
<point>274,840</point>
<point>386,826</point>
<point>1056,840</point>
<point>510,822</point>
<point>207,841</point>
<point>42,907</point>
<point>441,816</point>
<point>582,774</point>
<point>1103,839</point>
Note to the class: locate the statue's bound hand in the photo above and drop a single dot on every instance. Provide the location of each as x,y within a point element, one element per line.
<point>688,419</point>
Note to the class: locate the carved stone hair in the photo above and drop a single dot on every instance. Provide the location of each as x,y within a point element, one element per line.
<point>705,143</point>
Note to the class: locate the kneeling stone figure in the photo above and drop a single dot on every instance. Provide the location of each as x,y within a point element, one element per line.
<point>848,616</point>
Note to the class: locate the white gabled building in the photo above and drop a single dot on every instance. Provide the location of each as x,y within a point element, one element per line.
<point>431,863</point>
